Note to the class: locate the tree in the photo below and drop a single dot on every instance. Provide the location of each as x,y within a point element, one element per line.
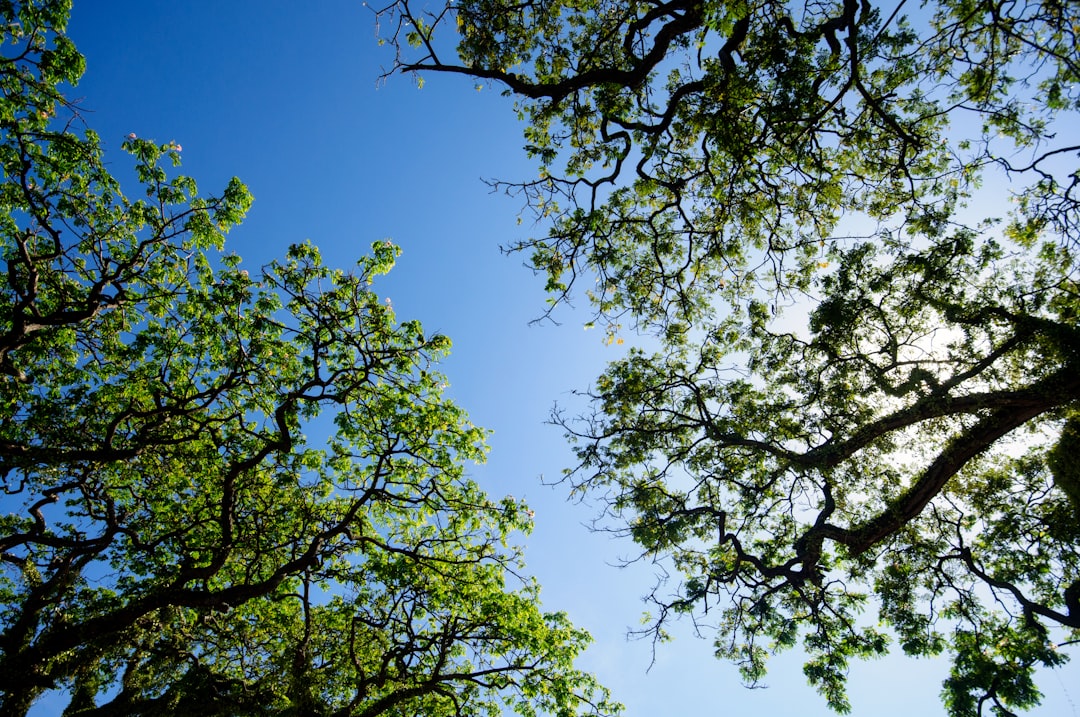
<point>867,385</point>
<point>172,543</point>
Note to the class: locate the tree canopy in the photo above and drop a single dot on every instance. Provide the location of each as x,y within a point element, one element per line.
<point>172,542</point>
<point>850,228</point>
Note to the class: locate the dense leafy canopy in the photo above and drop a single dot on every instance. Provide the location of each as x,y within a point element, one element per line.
<point>867,388</point>
<point>171,542</point>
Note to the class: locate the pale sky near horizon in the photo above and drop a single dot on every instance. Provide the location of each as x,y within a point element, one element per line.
<point>285,96</point>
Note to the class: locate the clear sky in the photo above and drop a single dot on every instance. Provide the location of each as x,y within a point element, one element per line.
<point>284,95</point>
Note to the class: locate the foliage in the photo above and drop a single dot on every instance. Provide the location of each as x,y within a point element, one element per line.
<point>865,394</point>
<point>172,543</point>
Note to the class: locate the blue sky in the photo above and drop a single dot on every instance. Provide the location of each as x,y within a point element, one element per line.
<point>285,96</point>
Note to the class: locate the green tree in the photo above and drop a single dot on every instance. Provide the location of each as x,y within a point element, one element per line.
<point>171,542</point>
<point>867,387</point>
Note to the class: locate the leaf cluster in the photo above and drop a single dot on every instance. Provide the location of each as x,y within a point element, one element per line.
<point>172,542</point>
